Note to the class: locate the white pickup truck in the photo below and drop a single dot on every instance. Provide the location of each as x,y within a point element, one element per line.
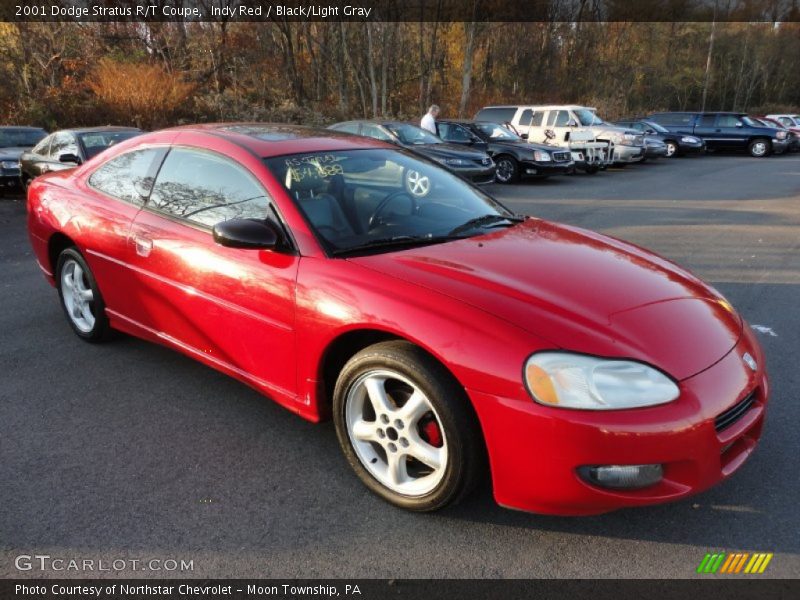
<point>572,126</point>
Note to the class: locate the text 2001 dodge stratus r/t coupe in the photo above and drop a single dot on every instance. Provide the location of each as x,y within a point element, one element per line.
<point>345,277</point>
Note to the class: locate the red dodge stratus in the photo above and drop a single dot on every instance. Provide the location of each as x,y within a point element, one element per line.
<point>449,339</point>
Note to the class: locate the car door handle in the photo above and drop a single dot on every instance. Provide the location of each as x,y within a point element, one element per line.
<point>144,245</point>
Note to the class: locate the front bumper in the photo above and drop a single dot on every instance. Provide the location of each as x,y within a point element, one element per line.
<point>691,147</point>
<point>535,451</point>
<point>9,179</point>
<point>655,151</point>
<point>780,146</point>
<point>545,169</point>
<point>628,154</point>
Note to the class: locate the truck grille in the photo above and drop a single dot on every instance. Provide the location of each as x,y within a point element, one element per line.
<point>561,156</point>
<point>734,413</point>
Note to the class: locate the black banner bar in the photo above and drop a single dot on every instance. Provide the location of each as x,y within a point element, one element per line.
<point>736,588</point>
<point>401,10</point>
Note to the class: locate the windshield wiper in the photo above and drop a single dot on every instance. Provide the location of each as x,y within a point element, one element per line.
<point>398,240</point>
<point>484,220</point>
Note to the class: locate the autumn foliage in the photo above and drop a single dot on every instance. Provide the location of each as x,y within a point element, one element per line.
<point>145,95</point>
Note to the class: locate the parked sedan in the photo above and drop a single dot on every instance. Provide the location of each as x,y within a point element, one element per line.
<point>654,148</point>
<point>437,330</point>
<point>677,145</point>
<point>474,165</point>
<point>13,142</point>
<point>792,131</point>
<point>514,156</point>
<point>68,148</point>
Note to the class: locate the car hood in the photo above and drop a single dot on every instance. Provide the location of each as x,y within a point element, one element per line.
<point>12,153</point>
<point>446,150</point>
<point>523,145</point>
<point>579,291</point>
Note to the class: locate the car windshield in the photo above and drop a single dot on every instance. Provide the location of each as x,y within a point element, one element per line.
<point>495,131</point>
<point>656,126</point>
<point>587,117</point>
<point>411,134</point>
<point>96,141</point>
<point>375,200</point>
<point>22,138</point>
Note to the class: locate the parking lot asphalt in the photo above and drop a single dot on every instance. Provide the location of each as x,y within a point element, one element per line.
<point>131,451</point>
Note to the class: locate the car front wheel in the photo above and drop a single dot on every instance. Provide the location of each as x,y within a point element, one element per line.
<point>80,297</point>
<point>406,427</point>
<point>507,169</point>
<point>759,148</point>
<point>672,149</point>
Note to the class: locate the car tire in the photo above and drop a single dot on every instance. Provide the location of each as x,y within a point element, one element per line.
<point>759,148</point>
<point>80,297</point>
<point>592,169</point>
<point>420,456</point>
<point>507,169</point>
<point>25,181</point>
<point>672,149</point>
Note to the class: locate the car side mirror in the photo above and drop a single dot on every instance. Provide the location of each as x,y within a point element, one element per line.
<point>248,233</point>
<point>649,130</point>
<point>524,136</point>
<point>69,158</point>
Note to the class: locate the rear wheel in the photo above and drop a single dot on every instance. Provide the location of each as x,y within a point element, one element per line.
<point>406,427</point>
<point>507,169</point>
<point>80,297</point>
<point>759,148</point>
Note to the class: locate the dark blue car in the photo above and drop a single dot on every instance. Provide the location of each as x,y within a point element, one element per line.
<point>725,131</point>
<point>677,144</point>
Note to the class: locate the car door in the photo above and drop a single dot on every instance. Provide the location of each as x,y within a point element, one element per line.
<point>560,122</point>
<point>231,307</point>
<point>115,192</point>
<point>31,162</point>
<point>730,131</point>
<point>706,128</point>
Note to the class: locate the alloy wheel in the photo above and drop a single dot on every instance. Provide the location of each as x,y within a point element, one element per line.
<point>396,433</point>
<point>77,296</point>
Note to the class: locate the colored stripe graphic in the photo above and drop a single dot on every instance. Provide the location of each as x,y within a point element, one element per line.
<point>735,562</point>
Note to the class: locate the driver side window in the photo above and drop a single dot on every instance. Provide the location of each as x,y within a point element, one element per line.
<point>205,189</point>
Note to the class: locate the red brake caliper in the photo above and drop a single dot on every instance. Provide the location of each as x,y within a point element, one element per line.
<point>432,433</point>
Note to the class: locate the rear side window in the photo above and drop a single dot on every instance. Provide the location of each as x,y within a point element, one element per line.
<point>707,121</point>
<point>206,189</point>
<point>501,114</point>
<point>526,117</point>
<point>453,133</point>
<point>128,176</point>
<point>673,119</point>
<point>536,120</point>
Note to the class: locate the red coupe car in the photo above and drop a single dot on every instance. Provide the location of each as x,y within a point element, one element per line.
<point>449,339</point>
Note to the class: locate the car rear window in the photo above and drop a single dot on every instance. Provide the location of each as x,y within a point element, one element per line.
<point>503,114</point>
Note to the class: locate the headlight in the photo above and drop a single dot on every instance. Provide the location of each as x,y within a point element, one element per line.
<point>9,164</point>
<point>454,162</point>
<point>689,140</point>
<point>567,380</point>
<point>542,156</point>
<point>781,135</point>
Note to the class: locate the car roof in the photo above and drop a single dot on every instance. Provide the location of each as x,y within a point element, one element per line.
<point>100,129</point>
<point>22,127</point>
<point>542,106</point>
<point>276,139</point>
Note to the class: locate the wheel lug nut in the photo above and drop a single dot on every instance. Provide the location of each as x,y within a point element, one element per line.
<point>384,419</point>
<point>392,447</point>
<point>398,424</point>
<point>404,442</point>
<point>381,434</point>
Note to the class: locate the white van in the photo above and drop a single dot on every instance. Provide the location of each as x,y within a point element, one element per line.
<point>562,124</point>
